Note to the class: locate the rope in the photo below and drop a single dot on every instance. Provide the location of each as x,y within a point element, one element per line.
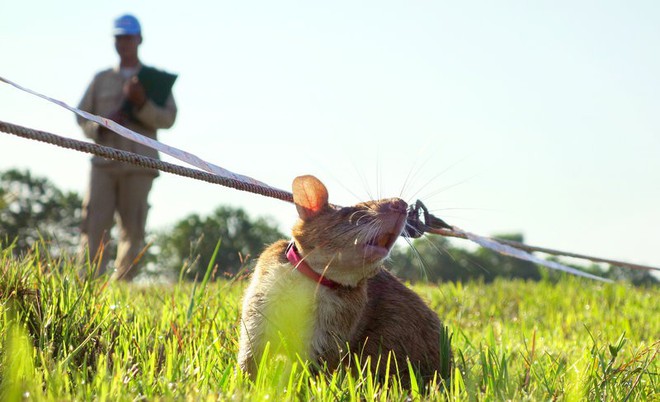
<point>140,160</point>
<point>431,224</point>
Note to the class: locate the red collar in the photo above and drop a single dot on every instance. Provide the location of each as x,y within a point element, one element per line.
<point>298,263</point>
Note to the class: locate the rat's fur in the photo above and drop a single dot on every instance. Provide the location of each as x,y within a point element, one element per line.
<point>371,314</point>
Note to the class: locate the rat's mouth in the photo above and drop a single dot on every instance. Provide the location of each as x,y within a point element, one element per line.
<point>378,246</point>
<point>383,240</point>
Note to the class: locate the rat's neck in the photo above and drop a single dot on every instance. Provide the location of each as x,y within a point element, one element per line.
<point>301,266</point>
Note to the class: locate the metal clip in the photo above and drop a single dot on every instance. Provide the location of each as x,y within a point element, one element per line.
<point>416,226</point>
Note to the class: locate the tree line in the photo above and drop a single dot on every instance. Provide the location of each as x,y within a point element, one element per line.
<point>34,211</point>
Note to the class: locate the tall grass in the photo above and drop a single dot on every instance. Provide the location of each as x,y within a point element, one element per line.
<point>70,338</point>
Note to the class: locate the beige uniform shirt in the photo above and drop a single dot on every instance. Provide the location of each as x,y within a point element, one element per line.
<point>103,97</point>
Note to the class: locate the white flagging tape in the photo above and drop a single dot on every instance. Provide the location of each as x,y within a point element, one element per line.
<point>524,255</point>
<point>125,132</point>
<point>217,170</point>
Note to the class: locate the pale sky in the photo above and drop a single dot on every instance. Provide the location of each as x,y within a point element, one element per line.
<point>537,117</point>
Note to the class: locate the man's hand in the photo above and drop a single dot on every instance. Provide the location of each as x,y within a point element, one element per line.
<point>134,92</point>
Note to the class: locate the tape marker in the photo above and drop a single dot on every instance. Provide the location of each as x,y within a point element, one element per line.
<point>130,134</point>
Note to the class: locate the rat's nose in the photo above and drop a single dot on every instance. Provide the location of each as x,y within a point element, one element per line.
<point>397,205</point>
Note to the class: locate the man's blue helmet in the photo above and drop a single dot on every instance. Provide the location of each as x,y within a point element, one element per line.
<point>127,25</point>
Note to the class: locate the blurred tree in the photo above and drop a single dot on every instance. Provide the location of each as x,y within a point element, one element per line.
<point>32,208</point>
<point>634,276</point>
<point>429,258</point>
<point>435,259</point>
<point>189,245</point>
<point>503,266</point>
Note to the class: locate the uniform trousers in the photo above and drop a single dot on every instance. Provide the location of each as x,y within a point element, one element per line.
<point>112,191</point>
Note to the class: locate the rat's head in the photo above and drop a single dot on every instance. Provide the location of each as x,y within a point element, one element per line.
<point>346,244</point>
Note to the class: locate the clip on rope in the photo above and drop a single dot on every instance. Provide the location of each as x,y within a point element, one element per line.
<point>217,175</point>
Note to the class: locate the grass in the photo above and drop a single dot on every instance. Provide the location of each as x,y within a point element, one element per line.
<point>65,338</point>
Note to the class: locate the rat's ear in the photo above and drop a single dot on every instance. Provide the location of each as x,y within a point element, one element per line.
<point>309,195</point>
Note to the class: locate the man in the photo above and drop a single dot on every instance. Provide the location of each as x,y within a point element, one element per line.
<point>119,95</point>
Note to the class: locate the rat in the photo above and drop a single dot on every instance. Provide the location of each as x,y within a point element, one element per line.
<point>325,297</point>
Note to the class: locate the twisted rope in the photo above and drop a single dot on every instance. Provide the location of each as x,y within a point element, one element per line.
<point>431,224</point>
<point>140,160</point>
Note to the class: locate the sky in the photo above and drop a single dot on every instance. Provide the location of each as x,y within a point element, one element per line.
<point>538,118</point>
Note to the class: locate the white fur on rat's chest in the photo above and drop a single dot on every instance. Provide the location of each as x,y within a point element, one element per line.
<point>288,313</point>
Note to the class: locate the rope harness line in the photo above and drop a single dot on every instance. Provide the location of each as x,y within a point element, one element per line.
<point>419,220</point>
<point>140,160</point>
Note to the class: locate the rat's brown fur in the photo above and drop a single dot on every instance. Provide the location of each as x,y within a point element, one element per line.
<point>372,314</point>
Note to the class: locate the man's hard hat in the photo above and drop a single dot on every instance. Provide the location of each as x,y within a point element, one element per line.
<point>126,25</point>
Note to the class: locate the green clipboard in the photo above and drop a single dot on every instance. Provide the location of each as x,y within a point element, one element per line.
<point>157,84</point>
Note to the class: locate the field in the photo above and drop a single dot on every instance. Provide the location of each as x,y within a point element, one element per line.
<point>64,338</point>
